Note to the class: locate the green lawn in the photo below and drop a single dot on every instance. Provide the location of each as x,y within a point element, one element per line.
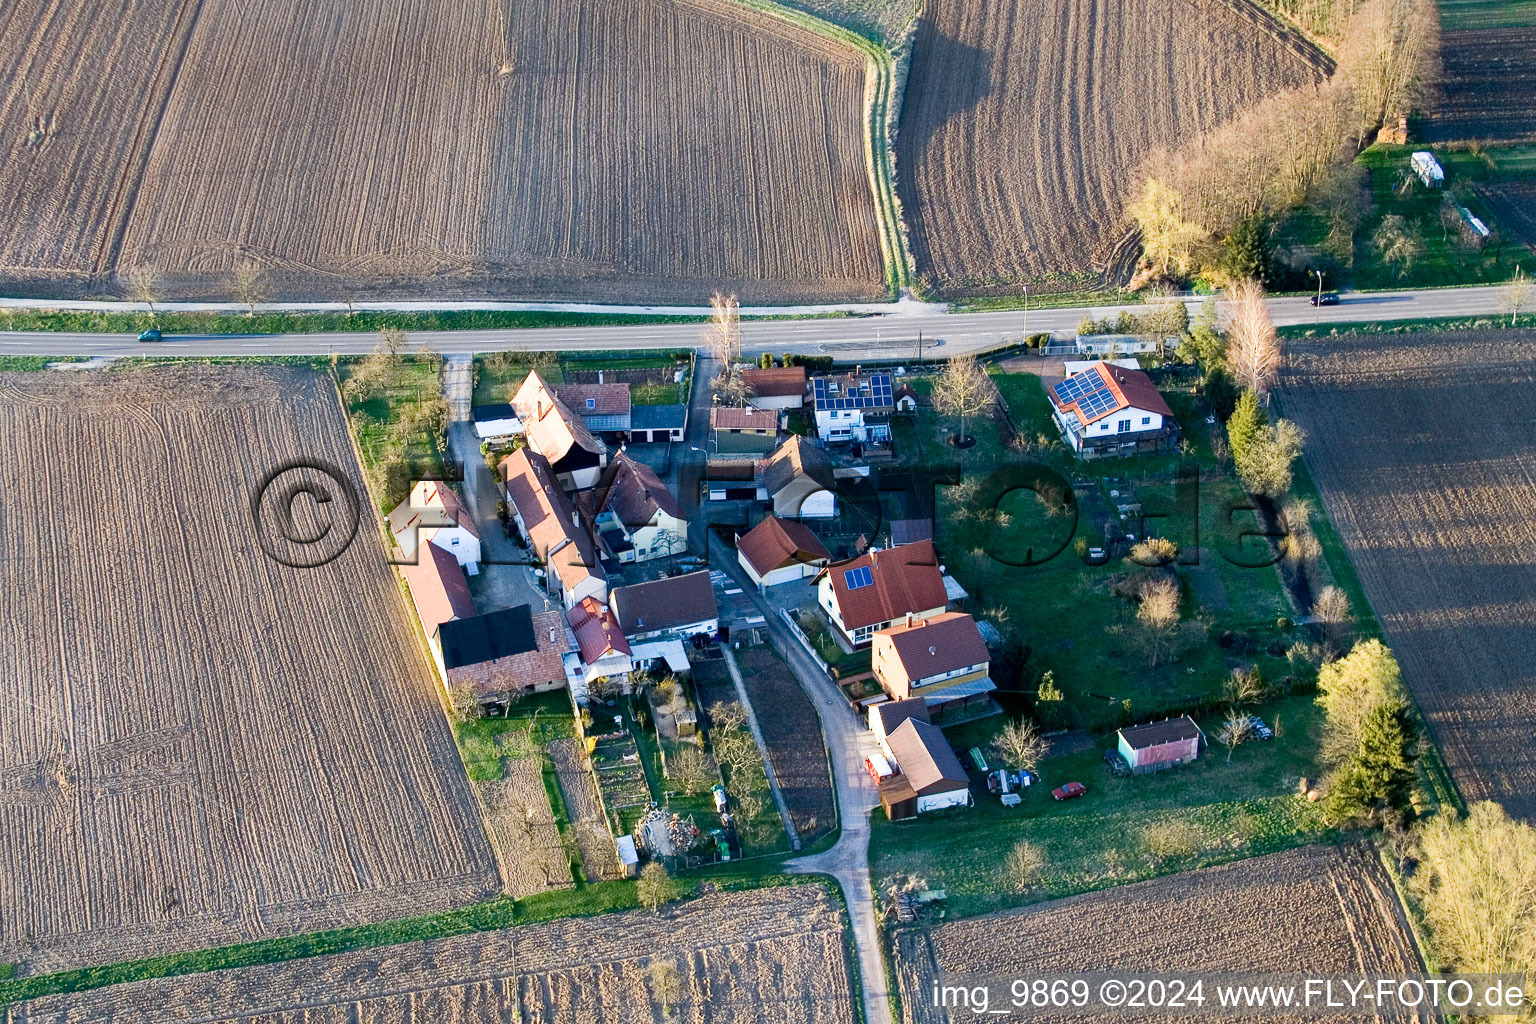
<point>497,377</point>
<point>820,636</point>
<point>539,719</point>
<point>1464,14</point>
<point>1241,809</point>
<point>390,461</point>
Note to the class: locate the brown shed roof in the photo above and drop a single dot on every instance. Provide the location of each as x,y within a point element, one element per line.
<point>1151,734</point>
<point>775,543</point>
<point>607,399</point>
<point>797,457</point>
<point>926,759</point>
<point>903,579</point>
<point>929,647</point>
<point>779,382</point>
<point>665,603</point>
<point>729,418</point>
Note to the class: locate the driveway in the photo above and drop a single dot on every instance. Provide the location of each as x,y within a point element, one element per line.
<point>848,744</point>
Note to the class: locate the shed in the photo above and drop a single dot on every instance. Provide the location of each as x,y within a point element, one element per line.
<point>1427,168</point>
<point>1157,745</point>
<point>925,760</point>
<point>629,857</point>
<point>898,797</point>
<point>655,424</point>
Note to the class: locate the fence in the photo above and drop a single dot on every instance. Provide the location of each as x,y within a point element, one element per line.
<point>794,627</point>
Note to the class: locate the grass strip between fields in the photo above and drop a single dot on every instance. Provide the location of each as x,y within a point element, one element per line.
<point>877,135</point>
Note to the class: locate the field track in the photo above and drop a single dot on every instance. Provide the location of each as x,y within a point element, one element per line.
<point>610,150</point>
<point>201,745</point>
<point>1315,910</point>
<point>1024,121</point>
<point>772,955</point>
<point>1424,448</point>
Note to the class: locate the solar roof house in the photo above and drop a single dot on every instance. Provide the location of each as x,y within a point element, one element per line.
<point>855,407</point>
<point>881,588</point>
<point>1110,410</point>
<point>492,658</point>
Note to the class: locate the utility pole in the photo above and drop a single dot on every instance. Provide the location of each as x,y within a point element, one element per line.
<point>1024,338</point>
<point>919,346</point>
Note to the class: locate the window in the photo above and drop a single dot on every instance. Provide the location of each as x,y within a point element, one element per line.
<point>591,403</point>
<point>1146,421</point>
<point>1124,426</point>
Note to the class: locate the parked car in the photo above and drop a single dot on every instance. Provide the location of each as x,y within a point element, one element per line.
<point>1261,730</point>
<point>153,334</point>
<point>1069,791</point>
<point>1326,299</point>
<point>1116,762</point>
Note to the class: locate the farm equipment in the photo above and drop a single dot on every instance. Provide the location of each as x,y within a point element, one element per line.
<point>1117,764</point>
<point>1004,781</point>
<point>878,767</point>
<point>1260,730</point>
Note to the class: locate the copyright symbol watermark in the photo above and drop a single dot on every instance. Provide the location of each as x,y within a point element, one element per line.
<point>306,513</point>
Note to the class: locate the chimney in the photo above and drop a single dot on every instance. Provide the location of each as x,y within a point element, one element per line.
<point>909,620</point>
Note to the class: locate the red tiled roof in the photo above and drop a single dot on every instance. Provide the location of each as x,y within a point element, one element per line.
<point>548,517</point>
<point>597,632</point>
<point>439,589</point>
<point>743,419</point>
<point>1132,389</point>
<point>526,669</point>
<point>607,399</point>
<point>774,543</point>
<point>928,647</point>
<point>926,758</point>
<point>906,578</point>
<point>552,429</point>
<point>779,382</point>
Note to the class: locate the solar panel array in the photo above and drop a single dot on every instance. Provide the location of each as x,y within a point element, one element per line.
<point>857,578</point>
<point>875,393</point>
<point>1091,393</point>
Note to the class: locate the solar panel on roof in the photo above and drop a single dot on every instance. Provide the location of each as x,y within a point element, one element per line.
<point>857,578</point>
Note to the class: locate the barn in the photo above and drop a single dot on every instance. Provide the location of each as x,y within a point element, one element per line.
<point>1158,745</point>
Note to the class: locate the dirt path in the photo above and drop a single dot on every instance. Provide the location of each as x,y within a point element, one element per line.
<point>599,859</point>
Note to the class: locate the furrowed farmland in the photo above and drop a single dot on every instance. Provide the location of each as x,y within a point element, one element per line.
<point>1024,121</point>
<point>201,744</point>
<point>1424,449</point>
<point>596,149</point>
<point>1488,92</point>
<point>1324,910</point>
<point>774,955</point>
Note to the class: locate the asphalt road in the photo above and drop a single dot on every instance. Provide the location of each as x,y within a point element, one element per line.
<point>887,336</point>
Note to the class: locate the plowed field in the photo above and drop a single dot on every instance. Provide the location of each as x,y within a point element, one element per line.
<point>600,149</point>
<point>1489,89</point>
<point>1513,204</point>
<point>1424,448</point>
<point>774,955</point>
<point>199,745</point>
<point>1024,121</point>
<point>1316,911</point>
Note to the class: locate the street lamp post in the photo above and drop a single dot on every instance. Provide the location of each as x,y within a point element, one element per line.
<point>1319,274</point>
<point>1024,338</point>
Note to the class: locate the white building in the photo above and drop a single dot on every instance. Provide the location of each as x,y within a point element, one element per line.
<point>1108,409</point>
<point>432,513</point>
<point>780,551</point>
<point>1427,168</point>
<point>853,407</point>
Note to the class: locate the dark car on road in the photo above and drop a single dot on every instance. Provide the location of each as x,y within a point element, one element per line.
<point>153,334</point>
<point>1070,790</point>
<point>1326,299</point>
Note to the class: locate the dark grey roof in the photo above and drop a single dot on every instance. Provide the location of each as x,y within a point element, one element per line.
<point>665,603</point>
<point>910,531</point>
<point>1140,737</point>
<point>496,411</point>
<point>657,417</point>
<point>487,637</point>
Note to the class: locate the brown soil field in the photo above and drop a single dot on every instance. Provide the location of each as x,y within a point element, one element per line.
<point>1513,204</point>
<point>201,745</point>
<point>1488,92</point>
<point>522,829</point>
<point>598,149</point>
<point>772,955</point>
<point>1025,120</point>
<point>1424,449</point>
<point>599,857</point>
<point>1317,910</point>
<point>792,733</point>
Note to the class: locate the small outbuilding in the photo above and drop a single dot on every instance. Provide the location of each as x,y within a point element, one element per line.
<point>1157,745</point>
<point>780,551</point>
<point>933,773</point>
<point>1428,169</point>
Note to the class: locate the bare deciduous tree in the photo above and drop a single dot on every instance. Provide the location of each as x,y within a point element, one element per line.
<point>1389,58</point>
<point>251,285</point>
<point>727,715</point>
<point>722,339</point>
<point>1243,686</point>
<point>1020,745</point>
<point>1517,295</point>
<point>666,984</point>
<point>1236,729</point>
<point>690,769</point>
<point>1022,865</point>
<point>143,284</point>
<point>963,390</point>
<point>1253,346</point>
<point>1158,613</point>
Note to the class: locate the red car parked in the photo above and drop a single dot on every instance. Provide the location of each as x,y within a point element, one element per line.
<point>1069,791</point>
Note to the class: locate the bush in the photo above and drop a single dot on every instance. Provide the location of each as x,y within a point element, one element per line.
<point>1172,839</point>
